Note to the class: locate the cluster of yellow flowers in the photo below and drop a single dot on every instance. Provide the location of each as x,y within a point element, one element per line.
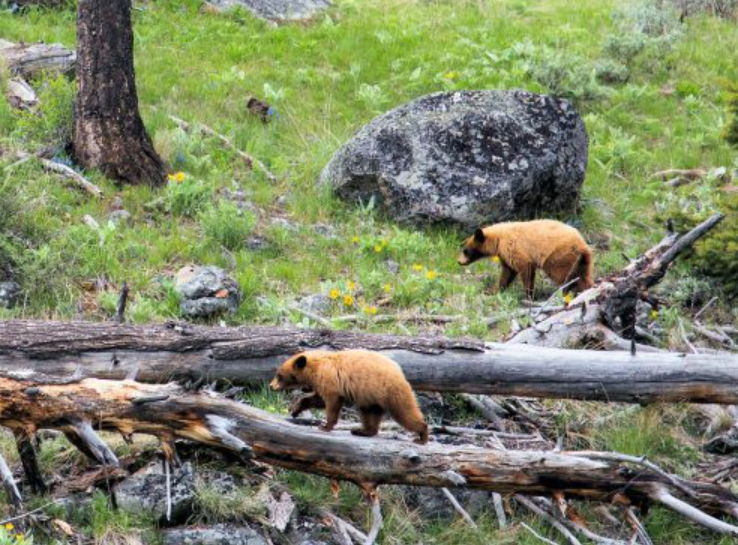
<point>177,177</point>
<point>348,299</point>
<point>370,310</point>
<point>429,274</point>
<point>7,537</point>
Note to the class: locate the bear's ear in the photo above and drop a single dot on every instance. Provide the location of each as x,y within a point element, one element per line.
<point>479,236</point>
<point>300,363</point>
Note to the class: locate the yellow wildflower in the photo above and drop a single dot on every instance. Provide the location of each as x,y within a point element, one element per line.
<point>418,267</point>
<point>387,288</point>
<point>431,275</point>
<point>378,248</point>
<point>372,310</point>
<point>335,293</point>
<point>351,285</point>
<point>348,300</point>
<point>496,259</point>
<point>451,75</point>
<point>170,177</point>
<point>567,298</point>
<point>179,177</point>
<point>654,314</point>
<point>9,526</point>
<point>355,240</point>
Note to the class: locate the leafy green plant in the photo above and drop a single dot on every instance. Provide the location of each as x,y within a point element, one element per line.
<point>186,195</point>
<point>50,123</point>
<point>227,225</point>
<point>731,131</point>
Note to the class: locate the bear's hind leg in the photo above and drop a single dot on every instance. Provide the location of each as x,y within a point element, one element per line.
<point>412,420</point>
<point>371,418</point>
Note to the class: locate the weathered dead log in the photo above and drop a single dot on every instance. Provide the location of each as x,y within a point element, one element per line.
<point>20,95</point>
<point>207,419</point>
<point>29,60</point>
<point>159,353</point>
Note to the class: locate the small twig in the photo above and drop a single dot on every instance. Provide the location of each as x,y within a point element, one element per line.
<point>122,300</point>
<point>585,532</point>
<point>536,534</point>
<point>373,497</point>
<point>314,317</point>
<point>459,509</point>
<point>640,530</point>
<point>349,529</point>
<point>11,487</point>
<point>486,411</point>
<point>33,512</point>
<point>703,309</point>
<point>554,294</point>
<point>248,159</point>
<point>531,506</point>
<point>685,338</point>
<point>168,477</point>
<point>499,509</point>
<point>718,337</point>
<point>66,172</point>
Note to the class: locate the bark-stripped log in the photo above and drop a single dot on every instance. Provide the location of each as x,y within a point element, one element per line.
<point>207,419</point>
<point>241,355</point>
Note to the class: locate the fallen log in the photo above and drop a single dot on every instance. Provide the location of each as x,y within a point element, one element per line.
<point>242,355</point>
<point>169,412</point>
<point>30,60</point>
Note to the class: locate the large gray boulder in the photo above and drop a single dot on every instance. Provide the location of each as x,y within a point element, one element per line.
<point>468,158</point>
<point>275,10</point>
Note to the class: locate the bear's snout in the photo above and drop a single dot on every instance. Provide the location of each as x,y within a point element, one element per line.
<point>463,260</point>
<point>275,385</point>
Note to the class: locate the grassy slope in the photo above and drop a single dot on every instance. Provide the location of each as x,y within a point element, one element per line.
<point>326,80</point>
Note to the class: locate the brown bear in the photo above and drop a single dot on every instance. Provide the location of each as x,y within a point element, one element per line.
<point>371,382</point>
<point>522,247</point>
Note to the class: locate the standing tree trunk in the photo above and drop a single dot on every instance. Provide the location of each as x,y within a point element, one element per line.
<point>108,131</point>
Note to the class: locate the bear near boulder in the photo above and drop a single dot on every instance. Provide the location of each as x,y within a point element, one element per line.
<point>371,382</point>
<point>559,250</point>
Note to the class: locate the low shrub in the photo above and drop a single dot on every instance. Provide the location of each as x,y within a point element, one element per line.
<point>226,225</point>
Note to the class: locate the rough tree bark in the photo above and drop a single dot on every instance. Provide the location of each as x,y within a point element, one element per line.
<point>80,407</point>
<point>108,131</point>
<point>159,353</point>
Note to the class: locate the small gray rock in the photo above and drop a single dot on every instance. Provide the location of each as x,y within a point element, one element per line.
<point>324,230</point>
<point>285,224</point>
<point>468,158</point>
<point>218,534</point>
<point>392,266</point>
<point>257,243</point>
<point>275,10</point>
<point>206,291</point>
<point>144,492</point>
<point>10,293</point>
<point>317,304</point>
<point>431,503</point>
<point>119,217</point>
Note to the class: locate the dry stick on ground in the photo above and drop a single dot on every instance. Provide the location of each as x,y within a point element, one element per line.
<point>575,526</point>
<point>71,404</point>
<point>250,161</point>
<point>537,535</point>
<point>459,509</point>
<point>11,488</point>
<point>539,511</point>
<point>66,172</point>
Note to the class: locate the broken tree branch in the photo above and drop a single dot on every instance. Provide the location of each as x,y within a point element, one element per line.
<point>65,172</point>
<point>250,161</point>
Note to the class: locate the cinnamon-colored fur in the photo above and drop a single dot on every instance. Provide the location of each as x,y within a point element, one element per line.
<point>370,381</point>
<point>523,247</point>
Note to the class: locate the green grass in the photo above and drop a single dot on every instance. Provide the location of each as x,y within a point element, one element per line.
<point>326,79</point>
